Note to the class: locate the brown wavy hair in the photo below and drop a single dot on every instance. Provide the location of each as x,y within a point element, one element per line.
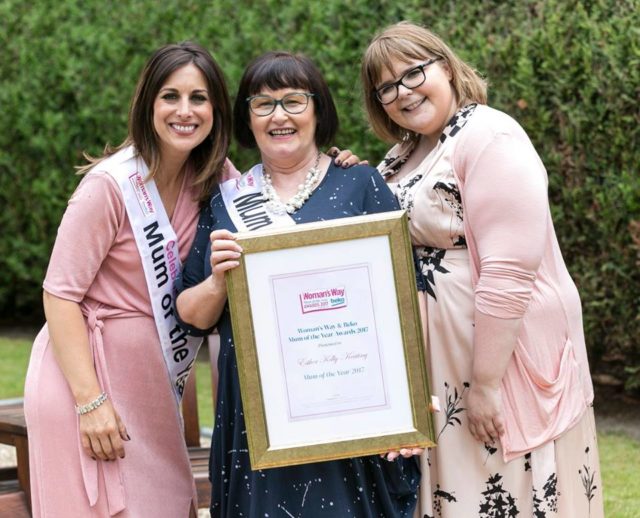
<point>207,160</point>
<point>406,41</point>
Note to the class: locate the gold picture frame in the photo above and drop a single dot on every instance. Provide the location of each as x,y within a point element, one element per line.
<point>316,382</point>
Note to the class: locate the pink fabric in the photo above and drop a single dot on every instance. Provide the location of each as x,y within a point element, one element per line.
<point>95,262</point>
<point>518,271</point>
<point>229,172</point>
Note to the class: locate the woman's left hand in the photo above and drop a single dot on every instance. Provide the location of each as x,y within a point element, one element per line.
<point>484,411</point>
<point>403,452</point>
<point>345,158</point>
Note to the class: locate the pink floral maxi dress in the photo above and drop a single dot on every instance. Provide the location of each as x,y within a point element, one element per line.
<point>462,478</point>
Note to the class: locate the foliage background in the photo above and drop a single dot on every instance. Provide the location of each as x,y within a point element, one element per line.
<point>568,71</point>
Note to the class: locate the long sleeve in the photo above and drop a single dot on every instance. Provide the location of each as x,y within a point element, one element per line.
<point>527,332</point>
<point>506,205</point>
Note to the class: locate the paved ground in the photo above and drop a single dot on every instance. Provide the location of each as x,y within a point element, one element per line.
<point>617,413</point>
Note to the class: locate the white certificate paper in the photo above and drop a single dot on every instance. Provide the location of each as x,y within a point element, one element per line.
<point>319,380</point>
<point>328,341</point>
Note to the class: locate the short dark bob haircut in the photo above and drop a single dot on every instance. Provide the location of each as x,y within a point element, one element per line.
<point>276,70</point>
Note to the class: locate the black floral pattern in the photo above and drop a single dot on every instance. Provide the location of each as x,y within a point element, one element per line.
<point>391,164</point>
<point>453,406</point>
<point>438,496</point>
<point>450,195</point>
<point>588,475</point>
<point>498,502</point>
<point>457,122</point>
<point>490,449</point>
<point>548,502</point>
<point>405,197</point>
<point>430,260</point>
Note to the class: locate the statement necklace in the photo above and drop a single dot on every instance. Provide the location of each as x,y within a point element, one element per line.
<point>276,205</point>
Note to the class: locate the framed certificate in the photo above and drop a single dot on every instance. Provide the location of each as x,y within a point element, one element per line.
<point>329,342</point>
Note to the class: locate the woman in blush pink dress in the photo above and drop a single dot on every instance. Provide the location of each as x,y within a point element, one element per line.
<point>105,434</point>
<point>516,434</point>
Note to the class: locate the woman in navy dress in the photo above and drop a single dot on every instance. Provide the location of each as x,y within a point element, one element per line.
<point>285,109</point>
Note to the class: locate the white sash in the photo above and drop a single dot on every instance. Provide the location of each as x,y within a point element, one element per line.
<point>158,248</point>
<point>245,204</point>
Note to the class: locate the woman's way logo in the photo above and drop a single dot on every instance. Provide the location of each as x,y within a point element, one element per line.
<point>325,300</point>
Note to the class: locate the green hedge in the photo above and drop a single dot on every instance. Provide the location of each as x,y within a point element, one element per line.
<point>568,71</point>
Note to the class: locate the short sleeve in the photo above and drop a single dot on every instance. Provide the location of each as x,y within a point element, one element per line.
<point>86,234</point>
<point>378,196</point>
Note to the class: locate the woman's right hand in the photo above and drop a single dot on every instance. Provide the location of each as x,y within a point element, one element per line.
<point>225,253</point>
<point>345,157</point>
<point>102,433</point>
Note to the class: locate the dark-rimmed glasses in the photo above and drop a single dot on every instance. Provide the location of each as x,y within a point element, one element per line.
<point>294,103</point>
<point>413,78</point>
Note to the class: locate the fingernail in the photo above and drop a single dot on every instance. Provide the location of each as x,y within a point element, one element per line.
<point>128,438</point>
<point>338,162</point>
<point>93,458</point>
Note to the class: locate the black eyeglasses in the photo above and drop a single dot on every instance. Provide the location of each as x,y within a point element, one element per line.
<point>388,93</point>
<point>294,103</point>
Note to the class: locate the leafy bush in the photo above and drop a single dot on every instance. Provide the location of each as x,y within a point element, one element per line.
<point>568,71</point>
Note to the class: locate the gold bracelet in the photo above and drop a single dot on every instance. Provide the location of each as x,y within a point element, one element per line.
<point>89,407</point>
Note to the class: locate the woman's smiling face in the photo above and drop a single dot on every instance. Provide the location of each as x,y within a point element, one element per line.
<point>427,108</point>
<point>283,135</point>
<point>182,113</point>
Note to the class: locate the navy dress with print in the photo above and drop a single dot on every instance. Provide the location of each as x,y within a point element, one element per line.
<point>363,487</point>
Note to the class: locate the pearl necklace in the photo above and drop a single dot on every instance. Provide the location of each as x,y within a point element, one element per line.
<point>276,205</point>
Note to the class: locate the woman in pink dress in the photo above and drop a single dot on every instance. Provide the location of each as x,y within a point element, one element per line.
<point>105,434</point>
<point>516,434</point>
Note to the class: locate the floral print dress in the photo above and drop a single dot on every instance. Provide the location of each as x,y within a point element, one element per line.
<point>462,478</point>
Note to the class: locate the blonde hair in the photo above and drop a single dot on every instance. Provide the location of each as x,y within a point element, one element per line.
<point>406,41</point>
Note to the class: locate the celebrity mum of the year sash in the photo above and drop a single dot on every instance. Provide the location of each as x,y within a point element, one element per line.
<point>246,205</point>
<point>158,248</point>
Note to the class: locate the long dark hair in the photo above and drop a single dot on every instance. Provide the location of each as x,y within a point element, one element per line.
<point>207,160</point>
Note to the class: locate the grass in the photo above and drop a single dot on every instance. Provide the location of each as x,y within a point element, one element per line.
<point>14,358</point>
<point>619,462</point>
<point>205,403</point>
<point>619,454</point>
